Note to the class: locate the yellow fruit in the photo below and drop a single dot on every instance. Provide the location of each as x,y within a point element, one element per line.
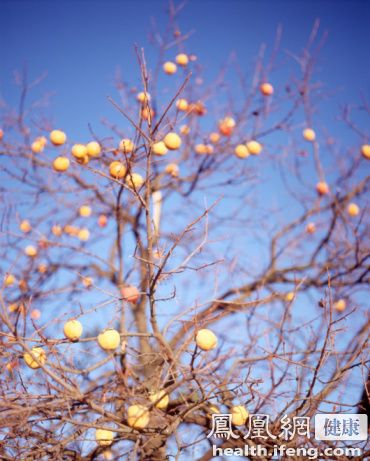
<point>58,137</point>
<point>30,251</point>
<point>57,230</point>
<point>159,148</point>
<point>365,151</point>
<point>61,164</point>
<point>311,228</point>
<point>25,226</point>
<point>169,67</point>
<point>79,151</point>
<point>200,149</point>
<point>83,234</point>
<point>42,140</point>
<point>35,314</point>
<point>353,209</point>
<point>143,97</point>
<point>322,188</point>
<point>117,170</point>
<point>214,138</point>
<point>135,180</point>
<point>12,365</point>
<point>239,415</point>
<point>147,113</point>
<point>206,339</point>
<point>161,398</point>
<point>37,147</point>
<point>241,151</point>
<point>172,169</point>
<point>254,147</point>
<point>309,134</point>
<point>109,339</point>
<point>182,104</point>
<point>126,145</point>
<point>340,305</point>
<point>23,286</point>
<point>85,211</point>
<point>42,268</point>
<point>138,416</point>
<point>203,149</point>
<point>13,307</point>
<point>35,358</point>
<point>104,437</point>
<point>290,296</point>
<point>71,230</point>
<point>172,141</point>
<point>72,330</point>
<point>87,281</point>
<point>184,129</point>
<point>83,160</point>
<point>267,89</point>
<point>9,280</point>
<point>226,126</point>
<point>182,59</point>
<point>93,149</point>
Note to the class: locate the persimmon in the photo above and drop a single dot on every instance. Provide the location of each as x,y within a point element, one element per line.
<point>309,134</point>
<point>169,67</point>
<point>172,141</point>
<point>73,329</point>
<point>266,89</point>
<point>58,137</point>
<point>206,339</point>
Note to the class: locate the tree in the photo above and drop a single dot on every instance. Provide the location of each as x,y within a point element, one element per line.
<point>218,230</point>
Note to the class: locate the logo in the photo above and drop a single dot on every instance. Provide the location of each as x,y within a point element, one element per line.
<point>341,426</point>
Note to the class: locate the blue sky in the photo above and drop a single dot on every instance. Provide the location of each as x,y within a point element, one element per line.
<point>82,43</point>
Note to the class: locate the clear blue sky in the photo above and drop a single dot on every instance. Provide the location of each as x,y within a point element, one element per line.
<point>82,43</point>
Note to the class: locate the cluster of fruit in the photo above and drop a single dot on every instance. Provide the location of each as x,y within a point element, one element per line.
<point>138,415</point>
<point>172,141</point>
